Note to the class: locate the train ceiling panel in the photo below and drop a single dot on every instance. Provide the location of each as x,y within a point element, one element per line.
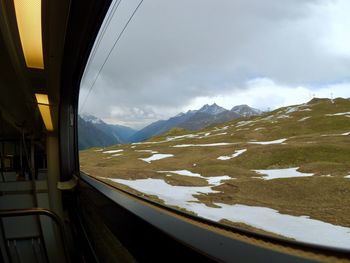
<point>30,61</point>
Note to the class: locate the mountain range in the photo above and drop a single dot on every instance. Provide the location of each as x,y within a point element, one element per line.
<point>93,132</point>
<point>195,120</point>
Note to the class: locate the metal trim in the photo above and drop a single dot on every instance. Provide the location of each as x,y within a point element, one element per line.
<point>40,211</point>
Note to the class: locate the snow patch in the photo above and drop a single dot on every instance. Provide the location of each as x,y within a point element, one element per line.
<point>283,116</point>
<point>243,123</point>
<point>268,118</point>
<point>336,134</point>
<point>202,145</point>
<point>156,157</point>
<point>182,172</point>
<point>221,129</point>
<point>304,119</point>
<point>280,141</point>
<point>234,155</point>
<point>217,180</point>
<point>146,151</point>
<point>292,109</point>
<point>282,173</point>
<point>301,228</point>
<point>113,151</point>
<point>98,150</point>
<point>213,180</point>
<point>296,108</point>
<point>339,114</point>
<point>172,138</point>
<point>173,195</point>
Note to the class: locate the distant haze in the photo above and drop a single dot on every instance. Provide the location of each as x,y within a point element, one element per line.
<point>179,55</point>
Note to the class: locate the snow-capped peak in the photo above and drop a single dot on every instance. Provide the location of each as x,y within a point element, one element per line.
<point>245,110</point>
<point>180,114</point>
<point>212,109</point>
<point>91,118</point>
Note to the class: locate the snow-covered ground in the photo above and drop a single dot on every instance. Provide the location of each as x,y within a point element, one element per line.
<point>280,141</point>
<point>339,134</point>
<point>202,145</point>
<point>155,157</point>
<point>348,176</point>
<point>301,228</point>
<point>207,135</point>
<point>213,180</point>
<point>172,195</point>
<point>116,154</point>
<point>234,155</point>
<point>259,128</point>
<point>172,138</point>
<point>304,119</point>
<point>283,116</point>
<point>146,151</point>
<point>292,109</point>
<point>182,172</point>
<point>113,151</point>
<point>217,180</point>
<point>243,123</point>
<point>282,173</point>
<point>339,114</point>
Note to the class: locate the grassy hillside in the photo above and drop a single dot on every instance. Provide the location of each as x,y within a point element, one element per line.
<point>317,140</point>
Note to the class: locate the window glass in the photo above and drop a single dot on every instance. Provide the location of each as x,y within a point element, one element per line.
<point>235,111</point>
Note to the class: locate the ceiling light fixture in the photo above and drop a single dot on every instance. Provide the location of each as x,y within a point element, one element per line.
<point>44,108</point>
<point>28,15</point>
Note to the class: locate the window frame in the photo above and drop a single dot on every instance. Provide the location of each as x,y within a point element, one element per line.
<point>83,26</point>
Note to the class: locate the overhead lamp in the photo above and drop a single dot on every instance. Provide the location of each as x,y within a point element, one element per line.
<point>44,108</point>
<point>28,15</point>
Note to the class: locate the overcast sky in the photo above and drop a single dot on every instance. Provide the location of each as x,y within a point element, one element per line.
<point>181,54</point>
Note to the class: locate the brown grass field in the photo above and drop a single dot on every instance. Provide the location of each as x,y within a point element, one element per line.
<point>319,144</point>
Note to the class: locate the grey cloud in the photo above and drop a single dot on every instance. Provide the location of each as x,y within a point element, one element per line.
<point>174,51</point>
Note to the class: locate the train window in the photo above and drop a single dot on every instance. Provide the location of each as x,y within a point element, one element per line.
<point>233,111</point>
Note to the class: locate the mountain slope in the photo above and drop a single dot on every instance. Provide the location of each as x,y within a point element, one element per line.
<point>94,132</point>
<point>245,111</point>
<point>91,136</point>
<point>161,126</point>
<point>195,120</point>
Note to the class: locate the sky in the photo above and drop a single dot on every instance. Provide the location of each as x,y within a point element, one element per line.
<point>179,55</point>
